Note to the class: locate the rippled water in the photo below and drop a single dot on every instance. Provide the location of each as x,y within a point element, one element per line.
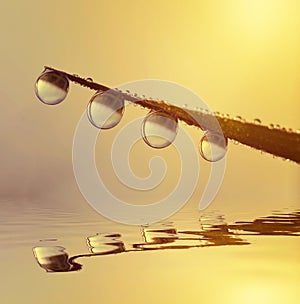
<point>51,256</point>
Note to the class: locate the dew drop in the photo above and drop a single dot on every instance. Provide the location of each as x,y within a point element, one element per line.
<point>257,121</point>
<point>239,118</point>
<point>89,79</point>
<point>213,146</point>
<point>298,131</point>
<point>51,88</point>
<point>106,109</point>
<point>271,126</point>
<point>159,129</point>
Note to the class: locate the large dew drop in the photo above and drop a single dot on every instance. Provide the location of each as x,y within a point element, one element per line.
<point>213,146</point>
<point>51,88</point>
<point>106,109</point>
<point>159,129</point>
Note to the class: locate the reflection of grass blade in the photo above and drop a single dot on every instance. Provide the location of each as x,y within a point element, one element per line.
<point>278,142</point>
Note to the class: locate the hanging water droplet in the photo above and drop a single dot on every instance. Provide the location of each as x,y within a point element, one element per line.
<point>51,88</point>
<point>213,146</point>
<point>89,79</point>
<point>257,121</point>
<point>159,129</point>
<point>106,109</point>
<point>277,126</point>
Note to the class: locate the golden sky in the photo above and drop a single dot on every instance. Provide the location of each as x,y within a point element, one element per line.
<point>242,57</point>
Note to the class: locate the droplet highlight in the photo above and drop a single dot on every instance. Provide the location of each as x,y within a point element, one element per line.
<point>105,109</point>
<point>159,129</point>
<point>213,146</point>
<point>51,87</point>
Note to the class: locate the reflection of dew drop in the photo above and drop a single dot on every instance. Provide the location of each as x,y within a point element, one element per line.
<point>52,258</point>
<point>257,121</point>
<point>213,146</point>
<point>51,88</point>
<point>159,129</point>
<point>105,109</point>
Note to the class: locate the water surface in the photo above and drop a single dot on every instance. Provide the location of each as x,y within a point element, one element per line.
<point>51,256</point>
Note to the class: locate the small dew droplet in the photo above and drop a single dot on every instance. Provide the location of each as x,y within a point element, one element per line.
<point>298,131</point>
<point>159,129</point>
<point>106,109</point>
<point>239,118</point>
<point>271,126</point>
<point>213,146</point>
<point>257,121</point>
<point>51,88</point>
<point>89,79</point>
